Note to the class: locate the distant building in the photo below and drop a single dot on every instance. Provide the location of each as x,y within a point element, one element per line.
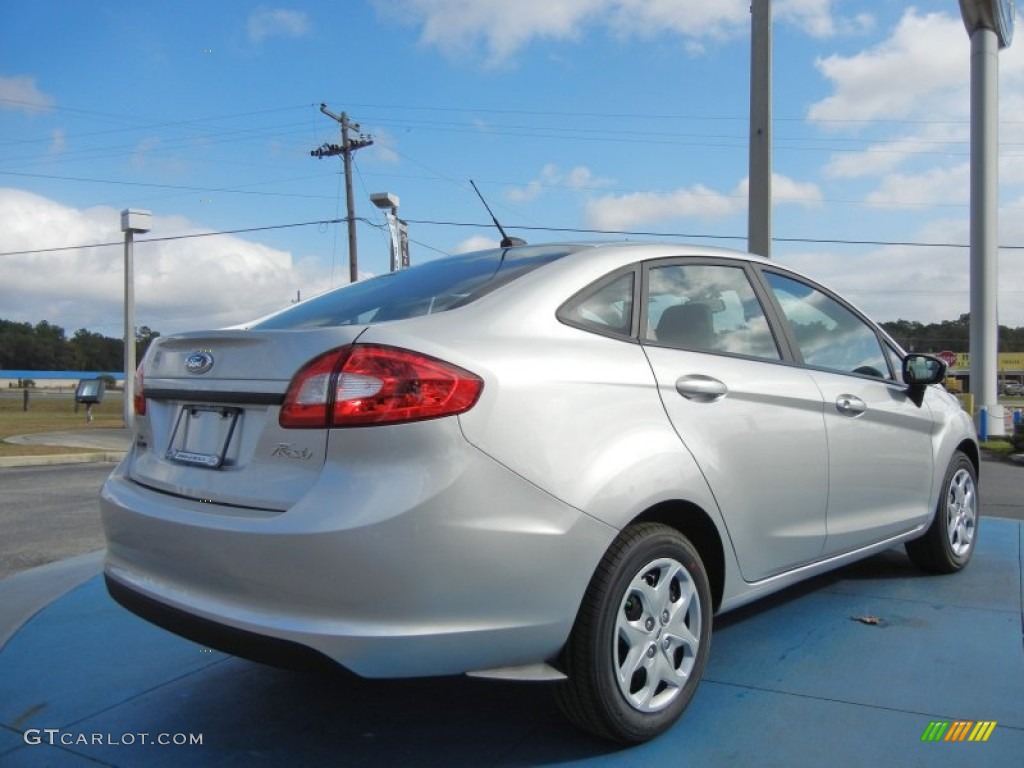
<point>1009,367</point>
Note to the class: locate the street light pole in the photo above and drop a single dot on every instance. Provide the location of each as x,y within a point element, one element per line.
<point>990,26</point>
<point>388,202</point>
<point>132,221</point>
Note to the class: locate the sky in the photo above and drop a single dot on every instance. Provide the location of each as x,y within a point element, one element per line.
<point>574,117</point>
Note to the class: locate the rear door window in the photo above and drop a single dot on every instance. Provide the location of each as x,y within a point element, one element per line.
<point>708,308</point>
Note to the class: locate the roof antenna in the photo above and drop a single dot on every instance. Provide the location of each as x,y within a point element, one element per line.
<point>506,241</point>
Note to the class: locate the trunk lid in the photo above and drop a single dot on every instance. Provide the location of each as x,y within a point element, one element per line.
<point>211,432</point>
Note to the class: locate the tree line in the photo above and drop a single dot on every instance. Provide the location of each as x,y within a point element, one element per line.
<point>45,347</point>
<point>952,335</point>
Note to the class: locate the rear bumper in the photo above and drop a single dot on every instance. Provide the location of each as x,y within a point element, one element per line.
<point>447,564</point>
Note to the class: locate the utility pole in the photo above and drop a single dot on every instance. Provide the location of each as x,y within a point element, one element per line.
<point>347,147</point>
<point>759,188</point>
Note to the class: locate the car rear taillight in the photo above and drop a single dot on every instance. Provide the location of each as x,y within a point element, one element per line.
<point>360,385</point>
<point>138,395</point>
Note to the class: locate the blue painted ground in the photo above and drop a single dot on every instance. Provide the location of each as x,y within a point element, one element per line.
<point>793,681</point>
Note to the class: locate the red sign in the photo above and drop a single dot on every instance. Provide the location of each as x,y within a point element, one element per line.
<point>949,358</point>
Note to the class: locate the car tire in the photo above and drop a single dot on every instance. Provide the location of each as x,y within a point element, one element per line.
<point>948,544</point>
<point>641,639</point>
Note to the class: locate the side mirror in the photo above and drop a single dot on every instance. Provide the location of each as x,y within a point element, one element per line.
<point>921,370</point>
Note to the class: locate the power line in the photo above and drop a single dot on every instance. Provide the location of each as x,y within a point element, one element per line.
<point>232,190</point>
<point>656,116</point>
<point>319,222</point>
<point>487,225</point>
<point>694,235</point>
<point>461,185</point>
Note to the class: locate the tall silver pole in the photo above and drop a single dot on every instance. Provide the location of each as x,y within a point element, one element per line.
<point>392,218</point>
<point>984,224</point>
<point>129,329</point>
<point>759,201</point>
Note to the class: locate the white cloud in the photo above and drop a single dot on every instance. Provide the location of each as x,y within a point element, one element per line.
<point>474,243</point>
<point>785,190</point>
<point>818,18</point>
<point>277,22</point>
<point>503,27</point>
<point>60,142</point>
<point>928,284</point>
<point>914,85</point>
<point>204,282</point>
<point>384,144</point>
<point>693,20</point>
<point>893,282</point>
<point>551,176</point>
<point>20,93</point>
<point>458,26</point>
<point>922,66</point>
<point>936,186</point>
<point>142,149</point>
<point>623,212</point>
<point>939,142</point>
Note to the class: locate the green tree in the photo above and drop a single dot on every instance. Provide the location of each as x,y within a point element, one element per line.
<point>954,335</point>
<point>95,352</point>
<point>144,336</point>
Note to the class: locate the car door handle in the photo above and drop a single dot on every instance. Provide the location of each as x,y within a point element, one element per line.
<point>701,388</point>
<point>850,405</point>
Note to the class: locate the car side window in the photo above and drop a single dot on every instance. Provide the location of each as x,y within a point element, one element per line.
<point>605,308</point>
<point>709,308</point>
<point>828,334</point>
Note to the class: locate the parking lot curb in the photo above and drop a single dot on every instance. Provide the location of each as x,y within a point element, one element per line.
<point>24,594</point>
<point>7,462</point>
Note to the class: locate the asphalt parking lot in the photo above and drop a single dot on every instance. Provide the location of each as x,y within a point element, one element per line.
<point>848,669</point>
<point>797,679</point>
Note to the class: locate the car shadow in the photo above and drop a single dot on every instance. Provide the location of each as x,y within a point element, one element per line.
<point>891,564</point>
<point>311,717</point>
<point>323,717</point>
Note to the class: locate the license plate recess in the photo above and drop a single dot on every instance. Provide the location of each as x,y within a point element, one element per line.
<point>202,435</point>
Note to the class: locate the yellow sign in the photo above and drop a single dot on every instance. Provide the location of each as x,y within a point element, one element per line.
<point>1006,362</point>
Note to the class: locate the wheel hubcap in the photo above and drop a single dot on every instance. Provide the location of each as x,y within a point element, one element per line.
<point>961,512</point>
<point>657,635</point>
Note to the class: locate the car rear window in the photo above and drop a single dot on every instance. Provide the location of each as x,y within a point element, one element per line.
<point>434,286</point>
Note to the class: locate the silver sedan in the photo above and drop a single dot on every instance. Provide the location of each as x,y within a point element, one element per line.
<point>539,462</point>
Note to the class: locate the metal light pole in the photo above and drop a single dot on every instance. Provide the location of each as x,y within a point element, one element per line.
<point>132,221</point>
<point>759,187</point>
<point>398,229</point>
<point>990,26</point>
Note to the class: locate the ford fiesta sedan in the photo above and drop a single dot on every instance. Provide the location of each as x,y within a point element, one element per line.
<point>550,462</point>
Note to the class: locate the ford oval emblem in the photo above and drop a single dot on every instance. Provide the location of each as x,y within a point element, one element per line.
<point>199,361</point>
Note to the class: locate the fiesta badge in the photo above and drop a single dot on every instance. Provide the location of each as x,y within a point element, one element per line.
<point>198,361</point>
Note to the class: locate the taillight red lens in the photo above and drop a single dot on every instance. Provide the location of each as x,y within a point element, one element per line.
<point>138,393</point>
<point>367,384</point>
